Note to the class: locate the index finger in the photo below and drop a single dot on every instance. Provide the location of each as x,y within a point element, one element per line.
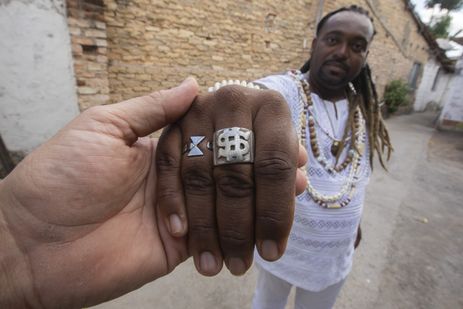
<point>275,166</point>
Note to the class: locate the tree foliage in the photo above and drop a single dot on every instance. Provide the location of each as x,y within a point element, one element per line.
<point>440,27</point>
<point>450,5</point>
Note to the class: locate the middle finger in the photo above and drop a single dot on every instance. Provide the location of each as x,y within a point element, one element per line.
<point>234,182</point>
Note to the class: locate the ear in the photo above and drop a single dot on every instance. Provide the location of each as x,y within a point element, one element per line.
<point>314,43</point>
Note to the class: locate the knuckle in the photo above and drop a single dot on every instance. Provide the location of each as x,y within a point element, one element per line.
<point>274,95</point>
<point>275,104</point>
<point>97,112</point>
<point>198,107</point>
<point>196,181</point>
<point>272,218</point>
<point>168,195</point>
<point>166,162</point>
<point>230,97</point>
<point>274,221</point>
<point>235,184</point>
<point>202,230</point>
<point>157,96</point>
<point>233,240</point>
<point>275,165</point>
<point>110,121</point>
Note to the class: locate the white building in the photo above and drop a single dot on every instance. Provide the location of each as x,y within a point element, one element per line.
<point>451,116</point>
<point>433,87</point>
<point>442,85</point>
<point>37,86</point>
<point>437,75</point>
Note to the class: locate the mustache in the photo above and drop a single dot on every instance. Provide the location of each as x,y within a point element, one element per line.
<point>343,65</point>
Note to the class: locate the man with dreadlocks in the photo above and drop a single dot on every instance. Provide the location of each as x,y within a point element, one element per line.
<point>335,110</point>
<point>228,207</point>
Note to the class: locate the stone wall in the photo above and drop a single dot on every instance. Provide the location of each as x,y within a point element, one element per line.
<point>156,44</point>
<point>87,28</point>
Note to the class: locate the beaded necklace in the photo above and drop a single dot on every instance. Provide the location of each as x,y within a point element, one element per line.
<point>357,147</point>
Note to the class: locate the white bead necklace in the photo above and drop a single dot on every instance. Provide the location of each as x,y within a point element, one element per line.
<point>345,195</point>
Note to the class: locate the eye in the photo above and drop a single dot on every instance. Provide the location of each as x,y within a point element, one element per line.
<point>331,40</point>
<point>359,47</point>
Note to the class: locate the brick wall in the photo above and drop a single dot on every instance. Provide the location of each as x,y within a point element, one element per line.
<point>87,28</point>
<point>156,44</point>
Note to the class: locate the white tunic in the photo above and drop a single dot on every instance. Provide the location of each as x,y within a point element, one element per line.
<point>321,243</point>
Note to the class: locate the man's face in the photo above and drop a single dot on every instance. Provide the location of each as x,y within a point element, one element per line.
<point>340,49</point>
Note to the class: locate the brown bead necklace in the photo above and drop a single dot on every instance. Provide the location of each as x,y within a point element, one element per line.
<point>357,147</point>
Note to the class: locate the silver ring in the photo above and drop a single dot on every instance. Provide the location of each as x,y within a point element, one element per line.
<point>233,145</point>
<point>192,148</point>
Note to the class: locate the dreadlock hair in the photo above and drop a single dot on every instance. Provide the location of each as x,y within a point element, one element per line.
<point>364,96</point>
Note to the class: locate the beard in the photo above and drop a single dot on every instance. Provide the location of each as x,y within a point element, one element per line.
<point>333,78</point>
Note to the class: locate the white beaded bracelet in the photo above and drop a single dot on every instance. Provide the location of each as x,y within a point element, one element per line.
<point>243,83</point>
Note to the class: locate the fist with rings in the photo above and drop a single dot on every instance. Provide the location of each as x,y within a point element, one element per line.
<point>230,176</point>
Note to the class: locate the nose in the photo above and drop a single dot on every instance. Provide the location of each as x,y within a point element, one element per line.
<point>342,51</point>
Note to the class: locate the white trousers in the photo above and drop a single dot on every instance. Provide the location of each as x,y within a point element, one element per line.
<point>272,293</point>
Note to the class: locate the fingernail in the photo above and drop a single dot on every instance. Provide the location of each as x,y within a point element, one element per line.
<point>207,263</point>
<point>236,266</point>
<point>269,250</point>
<point>176,226</point>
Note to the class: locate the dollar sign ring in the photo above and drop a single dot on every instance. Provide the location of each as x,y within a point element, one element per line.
<point>233,145</point>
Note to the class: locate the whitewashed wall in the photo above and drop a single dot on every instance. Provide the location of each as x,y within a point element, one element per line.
<point>425,94</point>
<point>37,87</point>
<point>453,104</point>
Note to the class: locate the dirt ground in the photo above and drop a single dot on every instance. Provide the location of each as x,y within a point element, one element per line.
<point>424,258</point>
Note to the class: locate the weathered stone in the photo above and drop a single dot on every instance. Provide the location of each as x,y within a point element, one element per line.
<point>87,90</point>
<point>93,66</point>
<point>74,30</point>
<point>100,25</point>
<point>83,40</point>
<point>101,43</point>
<point>93,33</point>
<point>102,59</point>
<point>76,49</point>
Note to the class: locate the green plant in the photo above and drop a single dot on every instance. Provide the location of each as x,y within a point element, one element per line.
<point>441,26</point>
<point>396,94</point>
<point>450,5</point>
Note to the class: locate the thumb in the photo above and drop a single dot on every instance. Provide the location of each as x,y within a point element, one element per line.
<point>152,112</point>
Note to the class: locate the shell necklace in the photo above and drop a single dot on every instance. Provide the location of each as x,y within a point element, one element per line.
<point>357,148</point>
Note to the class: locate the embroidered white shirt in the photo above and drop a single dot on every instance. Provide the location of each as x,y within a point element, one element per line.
<point>321,243</point>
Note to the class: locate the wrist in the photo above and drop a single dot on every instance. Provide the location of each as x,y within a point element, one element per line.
<point>15,279</point>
